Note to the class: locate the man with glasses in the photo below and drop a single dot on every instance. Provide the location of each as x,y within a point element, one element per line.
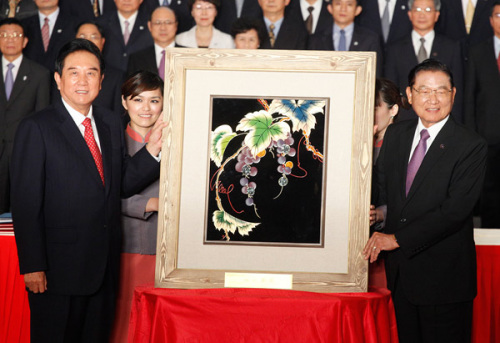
<point>482,109</point>
<point>24,89</point>
<point>430,172</point>
<point>126,32</point>
<point>180,7</point>
<point>423,43</point>
<point>163,28</point>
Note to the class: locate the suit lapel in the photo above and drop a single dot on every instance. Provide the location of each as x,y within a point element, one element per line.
<point>3,96</point>
<point>105,142</point>
<point>436,150</point>
<point>115,28</point>
<point>139,27</point>
<point>21,81</point>
<point>75,139</point>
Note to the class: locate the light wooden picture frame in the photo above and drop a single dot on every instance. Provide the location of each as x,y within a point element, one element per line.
<point>193,77</point>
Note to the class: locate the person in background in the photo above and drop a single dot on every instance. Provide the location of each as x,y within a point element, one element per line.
<point>423,43</point>
<point>24,89</point>
<point>231,10</point>
<point>314,14</point>
<point>19,9</point>
<point>204,34</point>
<point>163,27</point>
<point>180,7</point>
<point>283,30</point>
<point>142,96</point>
<point>247,33</point>
<point>482,113</point>
<point>88,10</point>
<point>126,32</point>
<point>344,34</point>
<point>110,95</point>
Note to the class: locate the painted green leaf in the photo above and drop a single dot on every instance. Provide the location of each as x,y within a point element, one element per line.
<point>224,221</point>
<point>301,112</point>
<point>221,137</point>
<point>261,130</point>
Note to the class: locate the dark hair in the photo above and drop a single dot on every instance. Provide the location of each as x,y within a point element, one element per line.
<point>430,65</point>
<point>141,81</point>
<point>12,21</point>
<point>245,24</point>
<point>91,22</point>
<point>388,92</point>
<point>75,45</point>
<point>495,4</point>
<point>166,7</point>
<point>216,3</point>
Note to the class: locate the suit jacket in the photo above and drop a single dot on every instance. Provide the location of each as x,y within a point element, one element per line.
<point>370,18</point>
<point>110,95</point>
<point>451,23</point>
<point>143,60</point>
<point>116,53</point>
<point>482,90</point>
<point>66,222</point>
<point>325,19</point>
<point>219,40</point>
<point>181,9</point>
<point>64,31</point>
<point>25,9</point>
<point>290,36</point>
<point>227,15</point>
<point>436,261</point>
<point>83,10</point>
<point>443,49</point>
<point>29,94</point>
<point>362,40</point>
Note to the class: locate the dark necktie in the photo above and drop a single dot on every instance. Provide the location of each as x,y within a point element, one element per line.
<point>94,149</point>
<point>342,41</point>
<point>309,20</point>
<point>161,67</point>
<point>422,53</point>
<point>272,39</point>
<point>9,80</point>
<point>416,159</point>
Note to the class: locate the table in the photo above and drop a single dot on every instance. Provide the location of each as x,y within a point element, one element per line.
<point>261,315</point>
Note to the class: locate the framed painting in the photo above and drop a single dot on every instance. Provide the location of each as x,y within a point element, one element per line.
<point>266,168</point>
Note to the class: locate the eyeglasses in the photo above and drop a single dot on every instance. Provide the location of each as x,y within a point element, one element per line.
<point>163,22</point>
<point>91,37</point>
<point>426,92</point>
<point>14,35</point>
<point>207,7</point>
<point>423,10</point>
<point>496,15</point>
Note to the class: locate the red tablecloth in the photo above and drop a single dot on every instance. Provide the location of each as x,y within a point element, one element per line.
<point>14,308</point>
<point>258,315</point>
<point>486,320</point>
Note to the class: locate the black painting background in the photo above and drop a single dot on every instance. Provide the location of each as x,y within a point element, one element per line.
<point>296,215</point>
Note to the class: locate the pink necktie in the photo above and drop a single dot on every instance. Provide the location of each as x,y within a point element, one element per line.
<point>126,33</point>
<point>94,149</point>
<point>161,68</point>
<point>45,34</point>
<point>416,159</point>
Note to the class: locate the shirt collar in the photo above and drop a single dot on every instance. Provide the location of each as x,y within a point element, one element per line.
<point>78,118</point>
<point>496,42</point>
<point>131,20</point>
<point>52,17</point>
<point>434,129</point>
<point>16,62</point>
<point>349,29</point>
<point>136,136</point>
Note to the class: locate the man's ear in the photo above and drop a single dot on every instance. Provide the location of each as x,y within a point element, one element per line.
<point>408,94</point>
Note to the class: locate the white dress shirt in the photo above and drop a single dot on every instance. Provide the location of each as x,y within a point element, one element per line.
<point>429,39</point>
<point>158,50</point>
<point>131,22</point>
<point>52,20</point>
<point>78,118</point>
<point>433,132</point>
<point>381,8</point>
<point>315,13</point>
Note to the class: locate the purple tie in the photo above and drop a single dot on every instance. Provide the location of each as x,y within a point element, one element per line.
<point>416,159</point>
<point>9,80</point>
<point>161,67</point>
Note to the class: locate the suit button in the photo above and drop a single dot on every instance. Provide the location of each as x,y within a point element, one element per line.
<point>105,226</point>
<point>403,220</point>
<point>124,54</point>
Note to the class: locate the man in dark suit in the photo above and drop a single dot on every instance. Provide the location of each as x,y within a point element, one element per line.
<point>47,32</point>
<point>126,32</point>
<point>452,22</point>
<point>86,10</point>
<point>282,30</point>
<point>229,11</point>
<point>482,91</point>
<point>373,17</point>
<point>17,9</point>
<point>355,37</point>
<point>69,169</point>
<point>163,27</point>
<point>420,44</point>
<point>24,89</point>
<point>430,172</point>
<point>314,14</point>
<point>110,95</point>
<point>180,7</point>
